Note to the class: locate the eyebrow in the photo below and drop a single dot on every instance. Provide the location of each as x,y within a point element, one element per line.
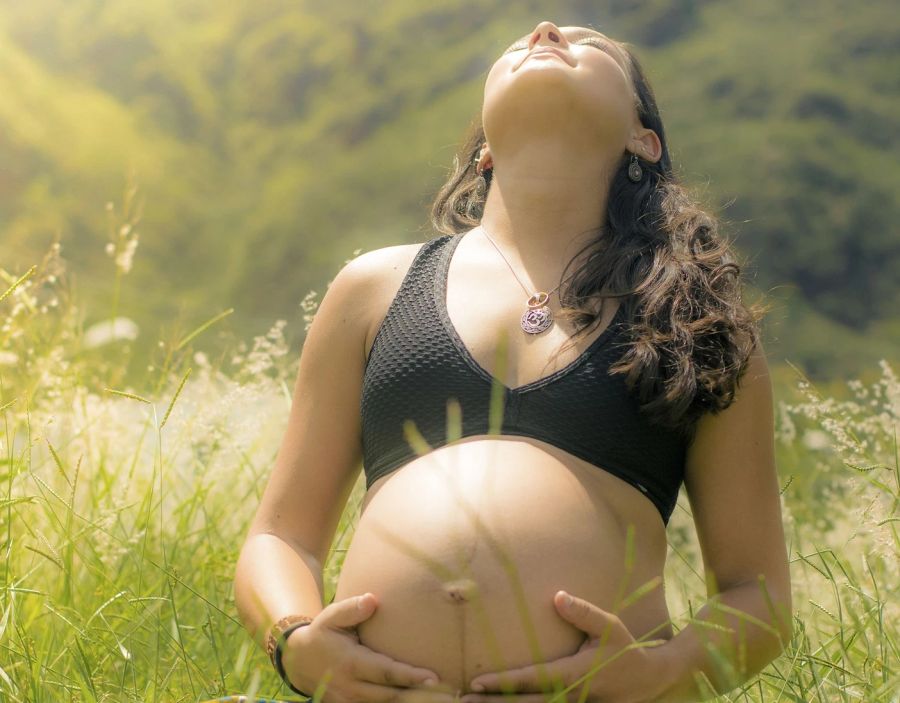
<point>585,32</point>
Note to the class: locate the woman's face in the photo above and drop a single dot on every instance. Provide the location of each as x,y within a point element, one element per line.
<point>584,85</point>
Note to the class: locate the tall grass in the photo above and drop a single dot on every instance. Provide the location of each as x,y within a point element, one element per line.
<point>122,511</point>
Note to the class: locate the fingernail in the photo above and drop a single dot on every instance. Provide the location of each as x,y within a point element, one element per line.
<point>477,687</point>
<point>430,681</point>
<point>567,599</point>
<point>361,602</point>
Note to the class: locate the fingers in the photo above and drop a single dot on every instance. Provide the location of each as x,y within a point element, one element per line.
<point>543,676</point>
<point>387,694</point>
<point>413,695</point>
<point>519,698</point>
<point>381,669</point>
<point>348,612</point>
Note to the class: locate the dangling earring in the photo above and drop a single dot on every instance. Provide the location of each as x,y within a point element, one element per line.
<point>480,186</point>
<point>634,169</point>
<point>480,182</point>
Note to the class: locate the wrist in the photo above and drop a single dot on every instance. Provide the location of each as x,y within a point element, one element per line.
<point>293,655</point>
<point>664,670</point>
<point>279,635</point>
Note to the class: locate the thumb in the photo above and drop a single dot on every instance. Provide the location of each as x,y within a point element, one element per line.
<point>586,616</point>
<point>349,611</point>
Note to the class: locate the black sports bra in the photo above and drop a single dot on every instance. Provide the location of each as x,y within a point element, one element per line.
<point>418,362</point>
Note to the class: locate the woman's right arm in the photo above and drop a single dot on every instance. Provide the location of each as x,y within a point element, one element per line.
<point>279,570</point>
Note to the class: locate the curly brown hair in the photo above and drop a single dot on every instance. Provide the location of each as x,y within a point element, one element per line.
<point>690,334</point>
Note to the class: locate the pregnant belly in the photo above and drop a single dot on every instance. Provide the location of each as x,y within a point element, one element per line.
<point>465,547</point>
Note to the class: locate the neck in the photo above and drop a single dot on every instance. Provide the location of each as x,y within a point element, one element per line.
<point>542,210</point>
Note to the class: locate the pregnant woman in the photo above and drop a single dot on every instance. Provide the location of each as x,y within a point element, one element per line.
<point>526,391</point>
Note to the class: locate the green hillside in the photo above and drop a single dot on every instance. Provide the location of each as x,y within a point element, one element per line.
<point>269,141</point>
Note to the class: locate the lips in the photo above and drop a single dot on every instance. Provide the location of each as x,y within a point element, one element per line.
<point>547,50</point>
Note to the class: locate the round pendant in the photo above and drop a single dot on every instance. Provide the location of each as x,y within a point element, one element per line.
<point>538,316</point>
<point>536,320</point>
<point>634,171</point>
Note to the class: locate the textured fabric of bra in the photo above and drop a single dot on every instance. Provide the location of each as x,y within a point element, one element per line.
<point>418,362</point>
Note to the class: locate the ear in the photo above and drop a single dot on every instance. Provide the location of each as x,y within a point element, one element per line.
<point>484,157</point>
<point>646,144</point>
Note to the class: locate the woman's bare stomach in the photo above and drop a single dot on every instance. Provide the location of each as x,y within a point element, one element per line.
<point>465,547</point>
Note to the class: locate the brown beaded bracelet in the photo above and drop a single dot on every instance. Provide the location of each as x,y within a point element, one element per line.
<point>275,640</point>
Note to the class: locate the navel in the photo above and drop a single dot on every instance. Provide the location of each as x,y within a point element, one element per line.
<point>461,591</point>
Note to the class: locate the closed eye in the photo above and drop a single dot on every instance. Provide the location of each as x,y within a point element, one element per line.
<point>594,42</point>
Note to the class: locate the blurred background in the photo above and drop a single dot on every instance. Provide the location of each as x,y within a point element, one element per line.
<point>193,157</point>
<point>199,171</point>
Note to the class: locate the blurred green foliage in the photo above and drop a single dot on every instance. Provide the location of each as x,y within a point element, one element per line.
<point>272,140</point>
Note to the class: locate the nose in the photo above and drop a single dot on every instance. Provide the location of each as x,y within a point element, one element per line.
<point>548,33</point>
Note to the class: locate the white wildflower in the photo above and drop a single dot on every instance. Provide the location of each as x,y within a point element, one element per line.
<point>105,332</point>
<point>126,256</point>
<point>266,349</point>
<point>309,306</point>
<point>786,431</point>
<point>815,439</point>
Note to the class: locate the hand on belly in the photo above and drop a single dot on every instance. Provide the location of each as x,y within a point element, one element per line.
<point>465,564</point>
<point>461,626</point>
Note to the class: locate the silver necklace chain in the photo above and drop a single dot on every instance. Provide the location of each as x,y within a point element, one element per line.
<point>538,317</point>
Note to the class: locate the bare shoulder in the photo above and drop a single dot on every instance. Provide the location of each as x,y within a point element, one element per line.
<point>379,273</point>
<point>384,264</point>
<point>321,450</point>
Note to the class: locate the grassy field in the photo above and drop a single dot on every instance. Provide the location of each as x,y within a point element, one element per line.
<point>123,509</point>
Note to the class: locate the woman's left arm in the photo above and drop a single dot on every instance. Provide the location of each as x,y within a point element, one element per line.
<point>732,485</point>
